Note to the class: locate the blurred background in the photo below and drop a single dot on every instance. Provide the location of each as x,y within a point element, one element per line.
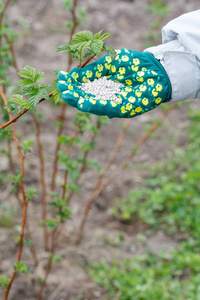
<point>141,239</point>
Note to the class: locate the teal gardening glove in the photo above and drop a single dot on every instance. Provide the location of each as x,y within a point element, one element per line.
<point>146,84</point>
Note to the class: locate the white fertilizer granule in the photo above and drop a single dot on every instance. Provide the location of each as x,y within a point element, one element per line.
<point>103,89</point>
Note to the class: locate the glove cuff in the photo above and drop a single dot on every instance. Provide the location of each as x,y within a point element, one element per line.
<point>158,51</point>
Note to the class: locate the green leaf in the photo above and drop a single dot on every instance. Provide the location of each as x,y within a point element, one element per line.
<point>64,214</point>
<point>69,24</point>
<point>70,186</point>
<point>27,242</point>
<point>112,53</point>
<point>4,282</point>
<point>105,36</point>
<point>87,146</point>
<point>82,36</point>
<point>26,146</point>
<point>52,223</point>
<point>63,47</point>
<point>81,15</point>
<point>17,99</point>
<point>38,77</point>
<point>56,258</point>
<point>63,158</point>
<point>97,35</point>
<point>26,82</point>
<point>81,46</point>
<point>88,53</point>
<point>25,74</point>
<point>30,70</point>
<point>56,96</point>
<point>97,47</point>
<point>20,267</point>
<point>93,164</point>
<point>56,71</point>
<point>74,173</point>
<point>30,76</point>
<point>31,192</point>
<point>80,56</point>
<point>64,139</point>
<point>1,130</point>
<point>37,94</point>
<point>16,178</point>
<point>11,106</point>
<point>41,280</point>
<point>25,104</point>
<point>58,203</point>
<point>68,4</point>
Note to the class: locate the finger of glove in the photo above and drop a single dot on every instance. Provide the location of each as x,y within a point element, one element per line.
<point>136,103</point>
<point>92,71</point>
<point>99,107</point>
<point>72,96</point>
<point>65,85</point>
<point>64,76</point>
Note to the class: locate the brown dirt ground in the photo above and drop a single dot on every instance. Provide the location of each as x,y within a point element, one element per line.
<point>44,29</point>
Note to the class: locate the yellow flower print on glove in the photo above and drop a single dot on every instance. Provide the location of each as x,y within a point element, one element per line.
<point>125,58</point>
<point>100,67</point>
<point>89,74</point>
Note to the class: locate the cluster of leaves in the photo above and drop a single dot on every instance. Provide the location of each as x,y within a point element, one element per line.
<point>16,180</point>
<point>7,37</point>
<point>169,197</point>
<point>160,9</point>
<point>31,89</point>
<point>84,44</point>
<point>80,145</point>
<point>4,281</point>
<point>7,214</point>
<point>79,13</point>
<point>73,165</point>
<point>167,200</point>
<point>173,276</point>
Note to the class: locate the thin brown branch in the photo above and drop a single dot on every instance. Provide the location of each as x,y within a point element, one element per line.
<point>97,191</point>
<point>24,214</point>
<point>32,247</point>
<point>104,171</point>
<point>73,29</point>
<point>2,12</point>
<point>12,51</point>
<point>20,114</point>
<point>42,178</point>
<point>13,168</point>
<point>86,61</point>
<point>114,151</point>
<point>81,171</point>
<point>55,161</point>
<point>67,152</point>
<point>64,105</point>
<point>84,163</point>
<point>49,263</point>
<point>7,2</point>
<point>10,157</point>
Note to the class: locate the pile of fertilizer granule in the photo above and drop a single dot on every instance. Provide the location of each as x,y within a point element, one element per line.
<point>103,89</point>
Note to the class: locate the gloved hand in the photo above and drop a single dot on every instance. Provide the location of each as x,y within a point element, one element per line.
<point>146,84</point>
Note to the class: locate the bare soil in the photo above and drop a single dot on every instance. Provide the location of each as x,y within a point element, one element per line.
<point>44,28</point>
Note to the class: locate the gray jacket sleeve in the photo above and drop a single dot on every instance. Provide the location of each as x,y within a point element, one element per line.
<point>180,55</point>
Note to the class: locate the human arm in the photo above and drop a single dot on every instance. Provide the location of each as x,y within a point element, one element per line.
<point>180,55</point>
